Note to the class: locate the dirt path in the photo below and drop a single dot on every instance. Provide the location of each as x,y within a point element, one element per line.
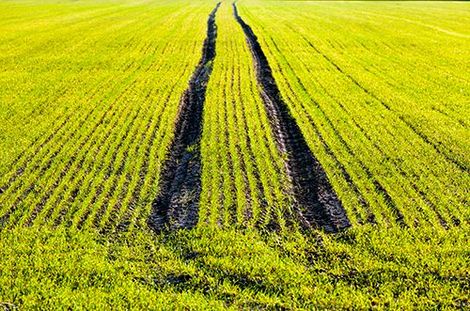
<point>180,181</point>
<point>318,204</point>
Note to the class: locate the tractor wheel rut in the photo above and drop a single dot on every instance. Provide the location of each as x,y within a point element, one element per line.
<point>177,204</point>
<point>318,204</point>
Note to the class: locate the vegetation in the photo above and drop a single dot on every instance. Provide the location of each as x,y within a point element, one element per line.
<point>89,95</point>
<point>378,118</point>
<point>86,121</point>
<point>213,268</point>
<point>243,173</point>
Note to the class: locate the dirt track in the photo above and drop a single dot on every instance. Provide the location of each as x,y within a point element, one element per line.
<point>180,181</point>
<point>318,204</point>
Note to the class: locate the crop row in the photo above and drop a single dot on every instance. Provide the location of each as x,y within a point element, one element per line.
<point>243,179</point>
<point>362,124</point>
<point>98,164</point>
<point>95,102</point>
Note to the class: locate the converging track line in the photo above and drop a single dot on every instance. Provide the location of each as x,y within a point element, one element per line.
<point>177,204</point>
<point>317,203</point>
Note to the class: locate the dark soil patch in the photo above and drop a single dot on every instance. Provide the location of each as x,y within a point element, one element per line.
<point>177,204</point>
<point>318,204</point>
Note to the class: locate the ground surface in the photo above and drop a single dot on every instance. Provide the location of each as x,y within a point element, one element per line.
<point>316,154</point>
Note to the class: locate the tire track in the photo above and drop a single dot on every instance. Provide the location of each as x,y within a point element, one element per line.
<point>397,214</point>
<point>319,205</point>
<point>180,181</point>
<point>389,201</point>
<point>361,200</point>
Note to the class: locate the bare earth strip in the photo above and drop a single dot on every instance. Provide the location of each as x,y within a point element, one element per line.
<point>319,205</point>
<point>177,203</point>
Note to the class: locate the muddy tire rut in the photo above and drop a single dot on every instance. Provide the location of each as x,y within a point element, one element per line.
<point>316,202</point>
<point>177,205</point>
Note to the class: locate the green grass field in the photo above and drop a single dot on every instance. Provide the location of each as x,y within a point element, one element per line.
<point>93,130</point>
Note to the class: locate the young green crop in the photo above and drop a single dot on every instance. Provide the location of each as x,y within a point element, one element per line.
<point>361,92</point>
<point>93,149</point>
<point>234,269</point>
<point>243,175</point>
<point>89,92</point>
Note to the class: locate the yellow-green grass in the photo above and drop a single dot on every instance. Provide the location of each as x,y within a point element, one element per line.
<point>381,99</point>
<point>243,175</point>
<point>89,92</point>
<point>220,269</point>
<point>88,102</point>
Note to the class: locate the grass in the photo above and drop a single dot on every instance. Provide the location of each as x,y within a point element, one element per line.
<point>105,105</point>
<point>88,97</point>
<point>213,268</point>
<point>243,174</point>
<point>384,125</point>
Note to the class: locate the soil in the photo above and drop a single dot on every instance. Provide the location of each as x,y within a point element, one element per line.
<point>318,204</point>
<point>177,204</point>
